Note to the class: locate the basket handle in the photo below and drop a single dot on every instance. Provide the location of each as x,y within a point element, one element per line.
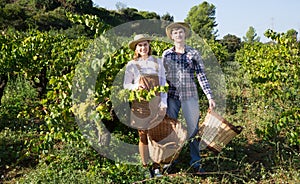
<point>209,110</point>
<point>239,129</point>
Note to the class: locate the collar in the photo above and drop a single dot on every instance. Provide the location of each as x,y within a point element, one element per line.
<point>186,49</point>
<point>150,58</point>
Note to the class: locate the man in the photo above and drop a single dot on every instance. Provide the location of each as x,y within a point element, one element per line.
<point>182,62</point>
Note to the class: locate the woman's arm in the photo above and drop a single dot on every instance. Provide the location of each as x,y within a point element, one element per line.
<point>131,77</point>
<point>162,82</point>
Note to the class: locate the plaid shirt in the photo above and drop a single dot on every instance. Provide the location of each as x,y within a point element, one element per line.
<point>180,73</point>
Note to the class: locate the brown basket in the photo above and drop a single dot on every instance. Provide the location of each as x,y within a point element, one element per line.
<point>215,132</point>
<point>146,115</point>
<point>166,140</point>
<point>163,129</point>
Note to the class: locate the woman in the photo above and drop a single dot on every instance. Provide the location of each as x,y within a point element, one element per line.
<point>145,72</point>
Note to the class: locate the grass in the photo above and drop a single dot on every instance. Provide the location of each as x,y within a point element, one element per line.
<point>239,162</point>
<point>246,159</point>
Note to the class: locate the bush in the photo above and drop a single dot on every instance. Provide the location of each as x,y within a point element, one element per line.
<point>18,102</point>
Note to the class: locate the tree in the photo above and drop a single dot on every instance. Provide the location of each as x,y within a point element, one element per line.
<point>251,36</point>
<point>232,43</point>
<point>292,33</point>
<point>167,17</point>
<point>82,6</point>
<point>47,4</point>
<point>149,15</point>
<point>120,6</point>
<point>131,14</point>
<point>13,15</point>
<point>202,20</point>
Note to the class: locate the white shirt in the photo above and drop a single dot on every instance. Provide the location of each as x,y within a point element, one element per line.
<point>148,66</point>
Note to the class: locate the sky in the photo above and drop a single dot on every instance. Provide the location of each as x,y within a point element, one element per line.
<point>232,16</point>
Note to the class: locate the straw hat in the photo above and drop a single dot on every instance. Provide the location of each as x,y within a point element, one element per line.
<point>138,38</point>
<point>183,25</point>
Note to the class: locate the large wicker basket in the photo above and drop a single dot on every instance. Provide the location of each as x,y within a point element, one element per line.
<point>215,132</point>
<point>166,140</point>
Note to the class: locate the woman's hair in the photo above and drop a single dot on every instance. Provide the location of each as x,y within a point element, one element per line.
<point>136,54</point>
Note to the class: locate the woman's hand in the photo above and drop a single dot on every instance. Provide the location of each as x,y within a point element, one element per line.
<point>141,86</point>
<point>162,111</point>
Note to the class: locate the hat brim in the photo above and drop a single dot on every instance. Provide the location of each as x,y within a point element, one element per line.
<point>183,25</point>
<point>133,43</point>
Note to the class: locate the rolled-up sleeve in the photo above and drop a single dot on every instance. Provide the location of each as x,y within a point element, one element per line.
<point>162,82</point>
<point>201,76</point>
<point>131,77</point>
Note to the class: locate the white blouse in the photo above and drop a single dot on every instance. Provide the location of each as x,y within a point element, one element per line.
<point>148,66</point>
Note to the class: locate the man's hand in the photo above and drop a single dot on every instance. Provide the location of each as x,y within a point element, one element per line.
<point>212,104</point>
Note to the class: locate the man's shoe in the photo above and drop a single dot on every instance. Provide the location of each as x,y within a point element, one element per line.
<point>199,170</point>
<point>170,168</point>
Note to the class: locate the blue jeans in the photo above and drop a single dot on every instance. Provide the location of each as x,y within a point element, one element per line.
<point>191,112</point>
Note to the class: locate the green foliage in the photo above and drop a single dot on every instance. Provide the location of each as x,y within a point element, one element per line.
<point>71,5</point>
<point>13,15</point>
<point>292,33</point>
<point>52,19</point>
<point>202,20</point>
<point>80,165</point>
<point>37,51</point>
<point>251,36</point>
<point>93,22</point>
<point>9,51</point>
<point>13,149</point>
<point>34,55</point>
<point>40,141</point>
<point>120,6</point>
<point>220,51</point>
<point>167,17</point>
<point>43,15</point>
<point>50,14</point>
<point>81,6</point>
<point>142,94</point>
<point>274,73</point>
<point>134,14</point>
<point>149,15</point>
<point>3,3</point>
<point>232,44</point>
<point>19,101</point>
<point>47,4</point>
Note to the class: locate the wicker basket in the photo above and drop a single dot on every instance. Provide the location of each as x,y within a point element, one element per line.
<point>215,132</point>
<point>146,115</point>
<point>166,140</point>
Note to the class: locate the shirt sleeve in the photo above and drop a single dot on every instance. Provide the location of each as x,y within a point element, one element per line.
<point>162,82</point>
<point>201,76</point>
<point>163,59</point>
<point>131,77</point>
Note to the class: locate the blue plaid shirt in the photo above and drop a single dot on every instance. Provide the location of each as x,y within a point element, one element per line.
<point>180,73</point>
